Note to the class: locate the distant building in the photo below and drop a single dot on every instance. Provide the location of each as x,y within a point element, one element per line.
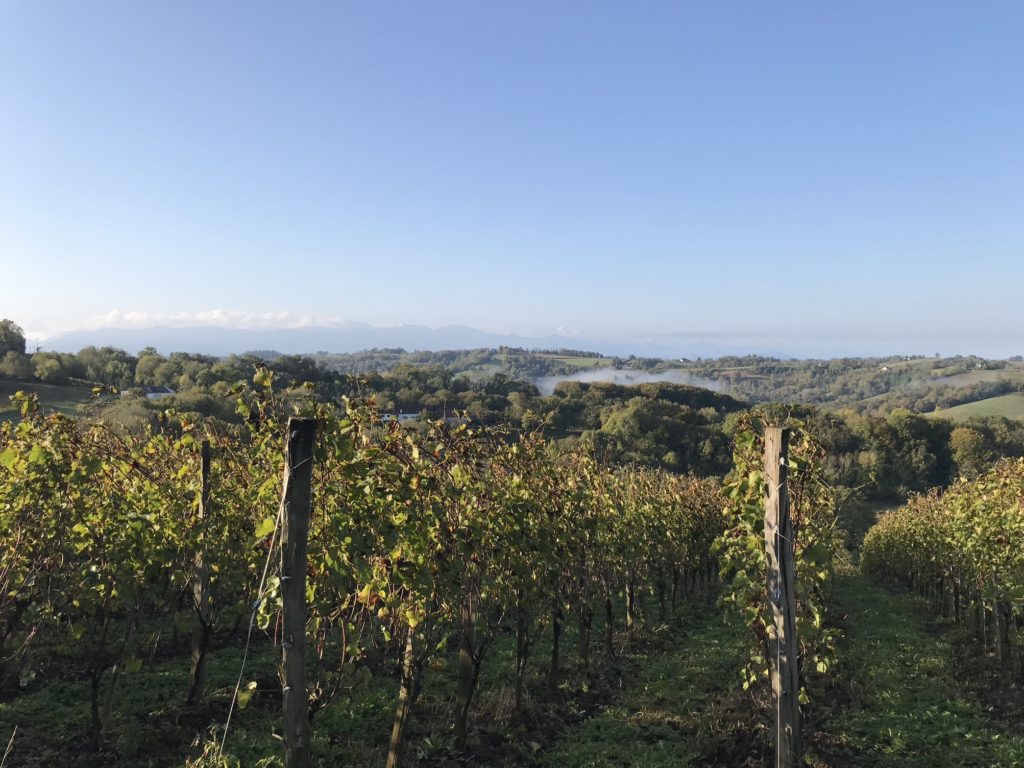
<point>400,417</point>
<point>155,393</point>
<point>406,418</point>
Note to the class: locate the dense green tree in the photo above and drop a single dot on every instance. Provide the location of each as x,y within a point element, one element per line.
<point>15,365</point>
<point>49,369</point>
<point>12,338</point>
<point>970,450</point>
<point>107,365</point>
<point>146,367</point>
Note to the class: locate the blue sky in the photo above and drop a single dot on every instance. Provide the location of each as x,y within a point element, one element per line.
<point>854,170</point>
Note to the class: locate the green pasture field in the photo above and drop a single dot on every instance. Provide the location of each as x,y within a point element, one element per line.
<point>582,362</point>
<point>1011,406</point>
<point>65,398</point>
<point>982,375</point>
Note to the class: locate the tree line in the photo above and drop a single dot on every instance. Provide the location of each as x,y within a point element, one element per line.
<point>888,452</point>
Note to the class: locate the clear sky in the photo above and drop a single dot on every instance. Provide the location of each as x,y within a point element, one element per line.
<point>849,169</point>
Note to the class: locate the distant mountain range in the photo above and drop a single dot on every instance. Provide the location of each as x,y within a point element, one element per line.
<point>355,337</point>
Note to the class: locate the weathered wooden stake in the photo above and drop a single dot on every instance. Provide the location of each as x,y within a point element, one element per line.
<point>201,590</point>
<point>406,694</point>
<point>522,649</point>
<point>296,499</point>
<point>466,671</point>
<point>556,638</point>
<point>778,537</point>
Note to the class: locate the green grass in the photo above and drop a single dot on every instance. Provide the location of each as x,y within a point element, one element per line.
<point>1011,406</point>
<point>479,374</point>
<point>152,726</point>
<point>65,398</point>
<point>1012,372</point>
<point>897,702</point>
<point>979,376</point>
<point>682,708</point>
<point>582,362</point>
<point>670,697</point>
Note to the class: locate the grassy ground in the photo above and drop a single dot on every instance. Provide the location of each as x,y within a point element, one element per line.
<point>682,709</point>
<point>670,698</point>
<point>581,362</point>
<point>1011,406</point>
<point>670,695</point>
<point>1012,371</point>
<point>56,397</point>
<point>896,701</point>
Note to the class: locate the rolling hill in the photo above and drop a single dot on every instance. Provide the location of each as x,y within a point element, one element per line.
<point>1011,406</point>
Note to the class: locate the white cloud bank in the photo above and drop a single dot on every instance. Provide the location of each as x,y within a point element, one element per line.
<point>219,318</point>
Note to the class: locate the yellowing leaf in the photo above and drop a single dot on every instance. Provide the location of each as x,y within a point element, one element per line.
<point>265,528</point>
<point>245,694</point>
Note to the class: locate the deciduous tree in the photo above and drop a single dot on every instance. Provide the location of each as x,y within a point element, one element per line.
<point>12,338</point>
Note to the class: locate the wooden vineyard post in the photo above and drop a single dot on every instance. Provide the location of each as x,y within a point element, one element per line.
<point>296,499</point>
<point>201,589</point>
<point>778,538</point>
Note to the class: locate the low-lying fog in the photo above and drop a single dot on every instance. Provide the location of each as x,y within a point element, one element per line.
<point>546,384</point>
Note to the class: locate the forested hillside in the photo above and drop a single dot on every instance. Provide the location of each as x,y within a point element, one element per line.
<point>872,386</point>
<point>866,409</point>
